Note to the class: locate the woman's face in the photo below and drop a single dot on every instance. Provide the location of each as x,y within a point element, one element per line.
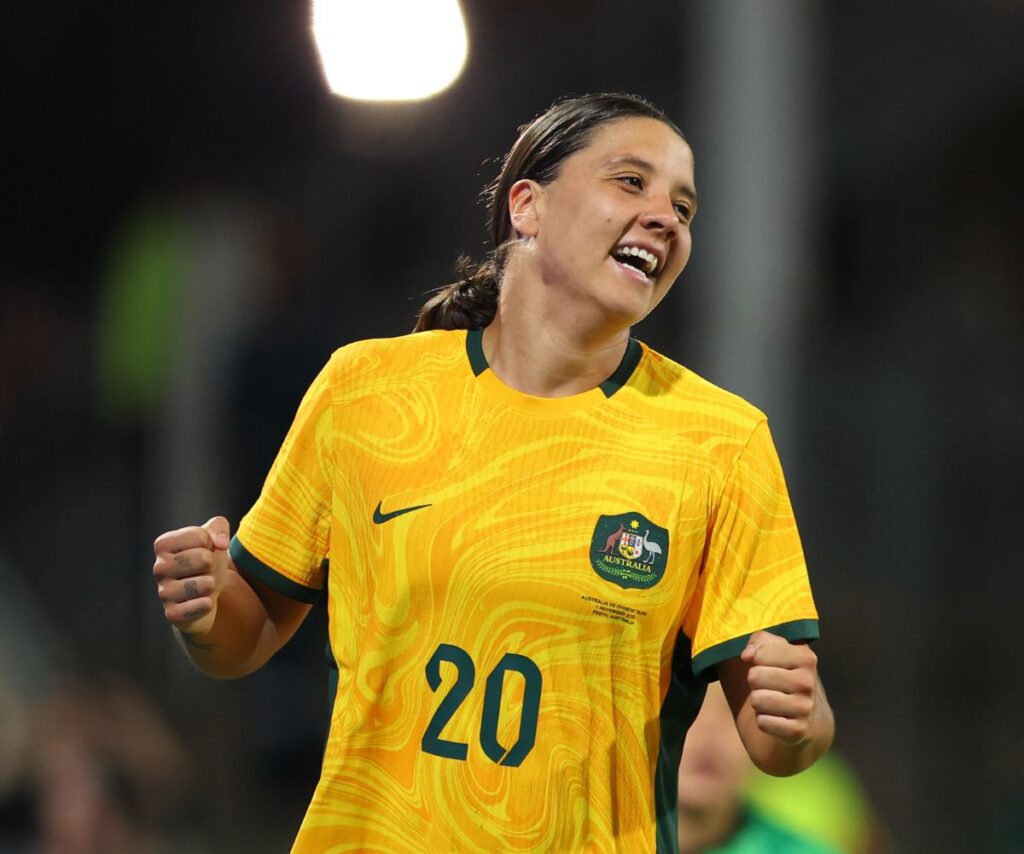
<point>612,231</point>
<point>714,763</point>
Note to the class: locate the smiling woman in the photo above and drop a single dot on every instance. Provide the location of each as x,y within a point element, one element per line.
<point>584,235</point>
<point>537,157</point>
<point>538,539</point>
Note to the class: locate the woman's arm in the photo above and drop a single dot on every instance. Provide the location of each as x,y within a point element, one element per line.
<point>779,704</point>
<point>228,624</point>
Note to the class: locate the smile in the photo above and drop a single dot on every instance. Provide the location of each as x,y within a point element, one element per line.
<point>634,274</point>
<point>636,257</point>
<point>638,263</point>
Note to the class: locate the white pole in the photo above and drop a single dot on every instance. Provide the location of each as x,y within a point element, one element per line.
<point>754,92</point>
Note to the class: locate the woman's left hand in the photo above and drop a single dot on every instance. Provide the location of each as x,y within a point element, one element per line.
<point>779,704</point>
<point>783,681</point>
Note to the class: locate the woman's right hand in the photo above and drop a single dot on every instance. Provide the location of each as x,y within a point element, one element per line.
<point>190,569</point>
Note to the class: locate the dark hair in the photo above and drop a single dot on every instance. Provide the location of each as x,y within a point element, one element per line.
<point>544,144</point>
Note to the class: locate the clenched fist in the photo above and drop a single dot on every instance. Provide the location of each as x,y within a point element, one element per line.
<point>190,568</point>
<point>783,680</point>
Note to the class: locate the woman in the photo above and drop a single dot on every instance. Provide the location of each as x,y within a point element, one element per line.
<point>538,539</point>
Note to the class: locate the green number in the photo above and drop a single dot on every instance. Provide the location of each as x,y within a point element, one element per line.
<point>492,705</point>
<point>432,742</point>
<point>465,676</point>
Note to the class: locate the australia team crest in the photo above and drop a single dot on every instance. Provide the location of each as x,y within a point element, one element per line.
<point>629,550</point>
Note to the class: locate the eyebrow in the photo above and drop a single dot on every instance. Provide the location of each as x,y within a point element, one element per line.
<point>632,160</point>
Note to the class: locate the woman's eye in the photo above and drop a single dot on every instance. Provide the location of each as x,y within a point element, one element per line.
<point>633,181</point>
<point>683,212</point>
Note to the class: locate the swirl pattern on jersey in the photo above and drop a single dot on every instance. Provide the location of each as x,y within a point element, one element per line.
<point>496,691</point>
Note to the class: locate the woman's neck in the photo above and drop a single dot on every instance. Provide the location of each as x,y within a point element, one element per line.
<point>548,350</point>
<point>535,356</point>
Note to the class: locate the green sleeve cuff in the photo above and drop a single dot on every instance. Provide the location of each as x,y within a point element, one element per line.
<point>797,630</point>
<point>253,566</point>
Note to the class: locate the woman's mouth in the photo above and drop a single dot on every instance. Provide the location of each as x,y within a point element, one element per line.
<point>637,262</point>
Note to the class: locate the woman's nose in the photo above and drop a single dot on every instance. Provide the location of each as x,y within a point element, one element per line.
<point>661,216</point>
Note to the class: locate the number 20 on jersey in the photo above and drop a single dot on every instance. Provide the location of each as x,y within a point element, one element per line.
<point>465,678</point>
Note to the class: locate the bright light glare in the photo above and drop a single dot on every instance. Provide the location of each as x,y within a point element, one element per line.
<point>396,50</point>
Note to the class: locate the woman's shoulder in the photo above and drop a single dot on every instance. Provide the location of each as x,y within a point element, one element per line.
<point>432,340</point>
<point>677,390</point>
<point>398,356</point>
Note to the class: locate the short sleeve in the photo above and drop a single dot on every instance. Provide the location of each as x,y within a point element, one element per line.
<point>753,576</point>
<point>284,539</point>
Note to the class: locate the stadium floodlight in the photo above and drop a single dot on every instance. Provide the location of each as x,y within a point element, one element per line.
<point>400,50</point>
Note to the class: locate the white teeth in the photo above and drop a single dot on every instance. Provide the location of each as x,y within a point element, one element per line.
<point>651,261</point>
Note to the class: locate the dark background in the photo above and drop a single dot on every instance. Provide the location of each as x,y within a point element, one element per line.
<point>190,224</point>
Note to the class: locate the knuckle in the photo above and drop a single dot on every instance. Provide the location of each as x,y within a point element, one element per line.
<point>183,539</point>
<point>200,560</point>
<point>169,542</point>
<point>189,562</point>
<point>202,538</point>
<point>163,568</point>
<point>809,662</point>
<point>196,609</point>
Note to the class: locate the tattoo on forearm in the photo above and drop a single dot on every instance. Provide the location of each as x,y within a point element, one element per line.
<point>191,589</point>
<point>196,644</point>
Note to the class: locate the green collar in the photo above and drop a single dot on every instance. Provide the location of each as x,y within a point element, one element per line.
<point>621,375</point>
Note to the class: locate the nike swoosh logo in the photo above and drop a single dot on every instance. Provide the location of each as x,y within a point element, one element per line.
<point>380,518</point>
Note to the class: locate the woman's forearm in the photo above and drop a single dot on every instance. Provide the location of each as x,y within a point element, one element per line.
<point>239,639</point>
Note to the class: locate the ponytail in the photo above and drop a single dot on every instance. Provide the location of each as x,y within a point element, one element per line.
<point>468,303</point>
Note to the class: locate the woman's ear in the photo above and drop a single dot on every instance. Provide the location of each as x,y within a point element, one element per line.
<point>524,203</point>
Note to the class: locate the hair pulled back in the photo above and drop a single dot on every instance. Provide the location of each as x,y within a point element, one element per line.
<point>543,145</point>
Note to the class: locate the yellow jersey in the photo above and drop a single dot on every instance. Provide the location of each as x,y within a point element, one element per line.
<point>525,595</point>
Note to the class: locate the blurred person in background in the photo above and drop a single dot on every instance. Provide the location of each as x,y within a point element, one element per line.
<point>538,539</point>
<point>88,764</point>
<point>107,774</point>
<point>714,816</point>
